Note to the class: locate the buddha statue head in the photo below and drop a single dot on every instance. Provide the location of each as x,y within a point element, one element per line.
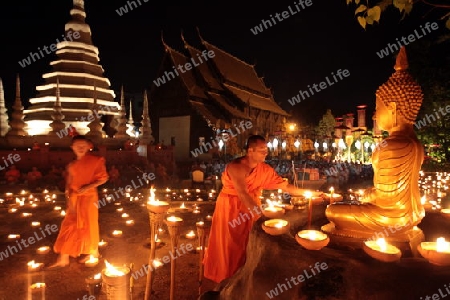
<point>399,99</point>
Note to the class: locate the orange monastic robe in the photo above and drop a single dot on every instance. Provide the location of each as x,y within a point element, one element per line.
<point>79,232</point>
<point>232,222</point>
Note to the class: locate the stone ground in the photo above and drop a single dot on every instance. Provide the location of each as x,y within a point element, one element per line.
<point>132,247</point>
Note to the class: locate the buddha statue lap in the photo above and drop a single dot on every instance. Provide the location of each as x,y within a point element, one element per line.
<point>393,205</point>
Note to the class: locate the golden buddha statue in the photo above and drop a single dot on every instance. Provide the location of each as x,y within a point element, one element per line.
<point>392,206</point>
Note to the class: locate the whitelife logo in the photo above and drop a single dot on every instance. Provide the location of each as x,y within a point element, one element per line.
<point>188,66</point>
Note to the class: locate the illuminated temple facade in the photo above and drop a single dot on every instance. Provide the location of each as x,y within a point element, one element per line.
<point>77,77</point>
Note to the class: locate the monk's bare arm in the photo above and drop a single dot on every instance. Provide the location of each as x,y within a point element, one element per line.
<point>237,174</point>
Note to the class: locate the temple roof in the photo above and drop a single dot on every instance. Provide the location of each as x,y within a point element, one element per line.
<point>256,101</point>
<point>237,71</point>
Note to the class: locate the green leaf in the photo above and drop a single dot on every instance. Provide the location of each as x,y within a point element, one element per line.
<point>360,9</point>
<point>373,15</point>
<point>362,22</point>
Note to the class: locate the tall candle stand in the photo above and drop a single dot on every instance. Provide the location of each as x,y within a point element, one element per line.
<point>202,232</point>
<point>173,224</point>
<point>156,212</point>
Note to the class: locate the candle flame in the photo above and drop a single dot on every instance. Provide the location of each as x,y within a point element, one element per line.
<point>381,242</point>
<point>112,271</point>
<point>182,205</point>
<point>442,245</point>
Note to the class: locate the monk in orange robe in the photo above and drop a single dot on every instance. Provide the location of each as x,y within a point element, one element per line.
<point>238,206</point>
<point>79,232</point>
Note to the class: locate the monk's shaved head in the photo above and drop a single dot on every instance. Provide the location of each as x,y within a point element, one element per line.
<point>253,140</point>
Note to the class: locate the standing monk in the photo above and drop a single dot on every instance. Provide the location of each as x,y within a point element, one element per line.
<point>238,206</point>
<point>79,232</point>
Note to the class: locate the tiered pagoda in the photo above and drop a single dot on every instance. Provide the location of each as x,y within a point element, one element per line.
<point>78,71</point>
<point>193,107</point>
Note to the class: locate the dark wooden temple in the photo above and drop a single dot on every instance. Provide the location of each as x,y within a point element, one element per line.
<point>198,104</point>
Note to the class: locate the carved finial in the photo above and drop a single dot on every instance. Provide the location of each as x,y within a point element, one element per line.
<point>79,3</point>
<point>17,88</point>
<point>401,63</point>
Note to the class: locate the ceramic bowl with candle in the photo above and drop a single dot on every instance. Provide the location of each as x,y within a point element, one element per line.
<point>382,250</point>
<point>191,235</point>
<point>276,226</point>
<point>437,253</point>
<point>34,266</point>
<point>312,239</point>
<point>91,262</point>
<point>117,233</point>
<point>273,212</point>
<point>158,207</point>
<point>43,250</point>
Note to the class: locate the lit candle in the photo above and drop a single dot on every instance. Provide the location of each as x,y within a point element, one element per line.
<point>35,224</point>
<point>117,233</point>
<point>91,262</point>
<point>129,222</point>
<point>25,215</point>
<point>43,250</point>
<point>186,190</point>
<point>63,213</point>
<point>119,209</point>
<point>197,191</point>
<point>275,226</point>
<point>125,215</point>
<point>57,208</point>
<point>312,239</point>
<point>38,288</point>
<point>13,236</point>
<point>381,250</point>
<point>209,217</point>
<point>196,211</point>
<point>102,243</point>
<point>190,235</point>
<point>112,271</point>
<point>173,219</point>
<point>12,210</point>
<point>33,266</point>
<point>442,245</point>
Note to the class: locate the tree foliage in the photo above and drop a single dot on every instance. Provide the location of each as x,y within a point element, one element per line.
<point>326,125</point>
<point>367,14</point>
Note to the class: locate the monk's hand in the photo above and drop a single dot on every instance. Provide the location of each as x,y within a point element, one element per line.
<point>83,189</point>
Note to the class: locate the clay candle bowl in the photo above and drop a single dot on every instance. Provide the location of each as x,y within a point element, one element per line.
<point>102,244</point>
<point>34,266</point>
<point>437,253</point>
<point>382,251</point>
<point>312,239</point>
<point>158,207</point>
<point>91,262</point>
<point>273,212</point>
<point>276,226</point>
<point>117,233</point>
<point>191,235</point>
<point>43,250</point>
<point>445,212</point>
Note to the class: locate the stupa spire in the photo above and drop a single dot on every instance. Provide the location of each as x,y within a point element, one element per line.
<point>146,128</point>
<point>4,127</point>
<point>17,123</point>
<point>57,125</point>
<point>122,120</point>
<point>130,117</point>
<point>95,126</point>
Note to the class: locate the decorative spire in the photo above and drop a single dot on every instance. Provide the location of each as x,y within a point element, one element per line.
<point>4,127</point>
<point>146,129</point>
<point>130,117</point>
<point>122,120</point>
<point>57,125</point>
<point>95,127</point>
<point>17,124</point>
<point>401,62</point>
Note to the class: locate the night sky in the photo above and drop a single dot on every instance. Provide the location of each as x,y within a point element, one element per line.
<point>299,51</point>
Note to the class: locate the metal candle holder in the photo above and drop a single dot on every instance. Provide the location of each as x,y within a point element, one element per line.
<point>203,229</point>
<point>156,214</point>
<point>173,224</point>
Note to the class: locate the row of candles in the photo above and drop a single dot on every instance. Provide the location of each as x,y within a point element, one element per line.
<point>435,252</point>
